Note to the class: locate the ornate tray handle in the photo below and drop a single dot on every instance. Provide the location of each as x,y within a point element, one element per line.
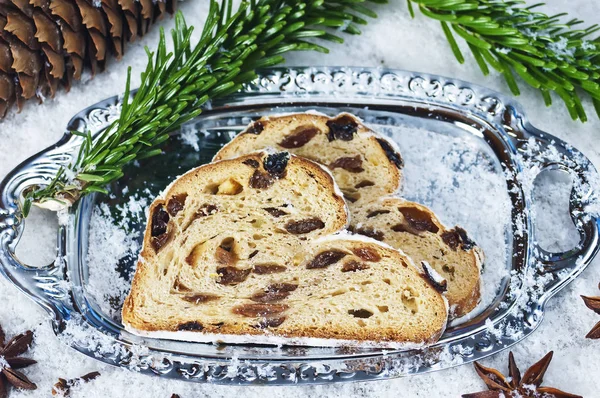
<point>43,283</point>
<point>552,153</point>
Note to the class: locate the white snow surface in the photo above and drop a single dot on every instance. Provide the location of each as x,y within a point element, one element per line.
<point>394,41</point>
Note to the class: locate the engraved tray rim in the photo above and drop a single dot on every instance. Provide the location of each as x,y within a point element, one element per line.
<point>507,129</point>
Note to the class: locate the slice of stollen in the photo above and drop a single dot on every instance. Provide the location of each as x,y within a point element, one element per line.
<point>419,233</point>
<point>363,164</point>
<point>367,168</point>
<point>245,251</point>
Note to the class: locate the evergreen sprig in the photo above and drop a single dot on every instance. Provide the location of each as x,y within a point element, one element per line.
<point>175,84</point>
<point>547,54</point>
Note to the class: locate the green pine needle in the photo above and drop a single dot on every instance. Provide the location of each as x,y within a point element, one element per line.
<point>233,44</point>
<point>545,53</point>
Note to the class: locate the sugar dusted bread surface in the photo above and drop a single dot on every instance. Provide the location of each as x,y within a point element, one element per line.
<point>367,169</point>
<point>363,164</point>
<point>244,248</point>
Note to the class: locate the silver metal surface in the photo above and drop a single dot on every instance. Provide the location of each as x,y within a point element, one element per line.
<point>383,97</point>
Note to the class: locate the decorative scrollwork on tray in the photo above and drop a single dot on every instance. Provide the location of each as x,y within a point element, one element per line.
<point>355,81</point>
<point>100,118</point>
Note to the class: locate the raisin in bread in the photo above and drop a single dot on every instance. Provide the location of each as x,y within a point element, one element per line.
<point>364,165</point>
<point>419,233</point>
<point>244,250</point>
<point>367,168</point>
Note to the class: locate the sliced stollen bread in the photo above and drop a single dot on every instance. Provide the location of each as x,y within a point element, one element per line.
<point>367,181</point>
<point>364,165</point>
<point>419,233</point>
<point>244,250</point>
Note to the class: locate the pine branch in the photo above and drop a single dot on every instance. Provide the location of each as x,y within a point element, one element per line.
<point>176,84</point>
<point>545,53</point>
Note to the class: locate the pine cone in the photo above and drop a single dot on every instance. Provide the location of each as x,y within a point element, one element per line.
<point>45,44</point>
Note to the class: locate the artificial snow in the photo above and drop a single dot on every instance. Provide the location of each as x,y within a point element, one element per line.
<point>189,136</point>
<point>108,243</point>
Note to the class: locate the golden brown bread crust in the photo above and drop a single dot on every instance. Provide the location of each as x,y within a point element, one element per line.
<point>331,288</point>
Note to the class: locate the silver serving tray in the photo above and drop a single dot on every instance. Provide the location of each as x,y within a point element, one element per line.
<point>384,97</point>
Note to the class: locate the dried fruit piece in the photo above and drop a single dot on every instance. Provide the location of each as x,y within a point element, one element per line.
<point>351,197</point>
<point>260,180</point>
<point>275,212</point>
<point>206,210</point>
<point>274,292</point>
<point>325,259</point>
<point>232,275</point>
<point>191,326</point>
<point>391,153</point>
<point>299,137</point>
<point>361,313</point>
<point>255,128</point>
<point>402,228</point>
<point>276,163</point>
<point>160,220</point>
<point>351,163</point>
<point>259,310</point>
<point>367,254</point>
<point>370,232</point>
<point>198,298</point>
<point>266,269</point>
<point>175,204</point>
<point>342,128</point>
<point>457,237</point>
<point>230,187</point>
<point>159,241</point>
<point>376,213</point>
<point>353,266</point>
<point>364,183</point>
<point>271,322</point>
<point>180,287</point>
<point>418,220</point>
<point>224,256</point>
<point>252,163</point>
<point>304,226</point>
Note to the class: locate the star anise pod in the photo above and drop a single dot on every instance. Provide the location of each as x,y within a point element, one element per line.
<point>527,386</point>
<point>63,387</point>
<point>10,361</point>
<point>593,303</point>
